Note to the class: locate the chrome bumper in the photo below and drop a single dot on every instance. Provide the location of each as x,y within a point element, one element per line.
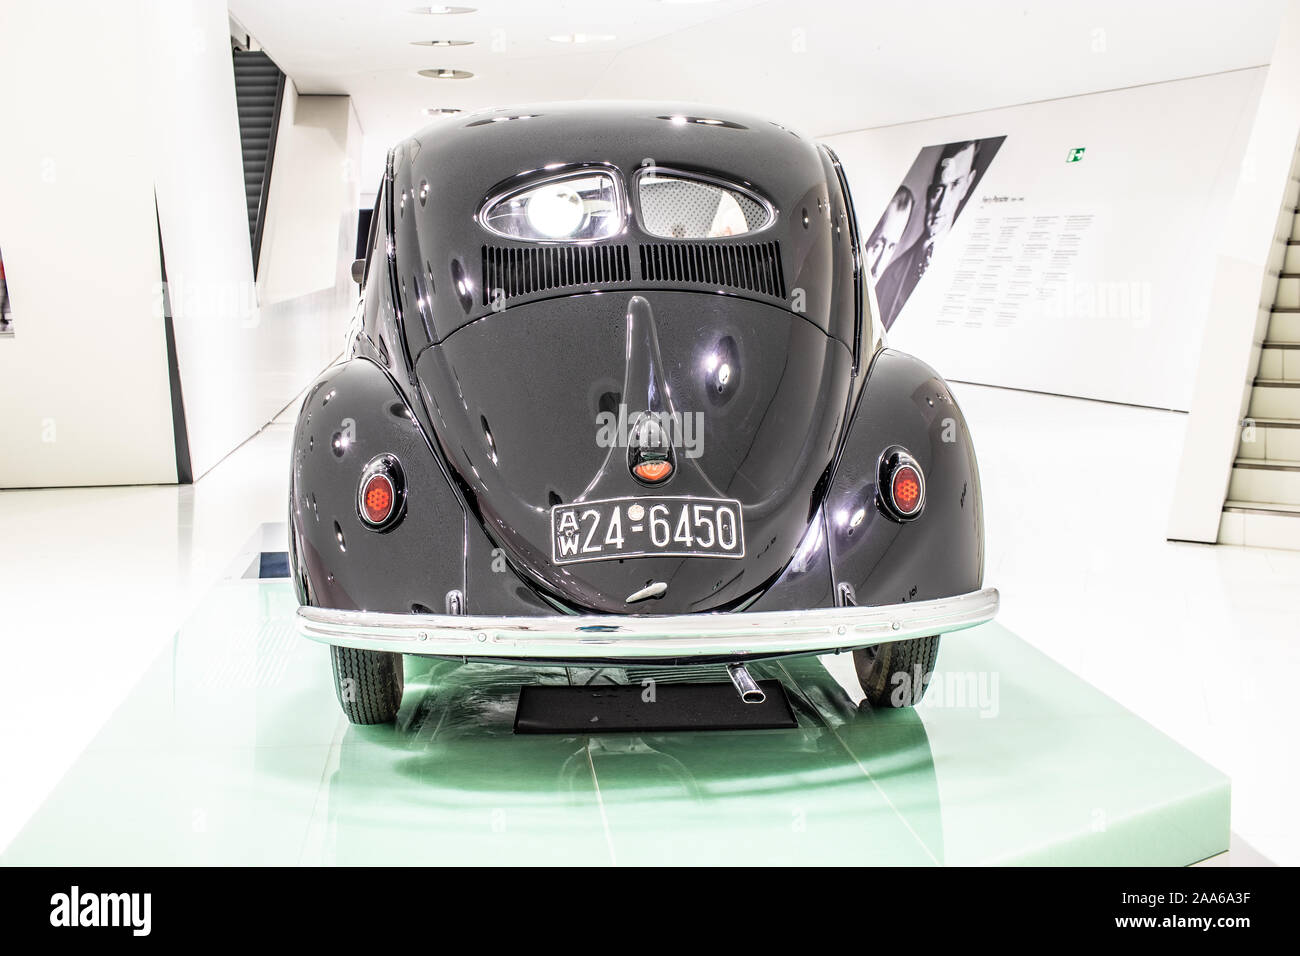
<point>624,637</point>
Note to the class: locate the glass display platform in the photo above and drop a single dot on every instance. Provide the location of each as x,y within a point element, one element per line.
<point>232,750</point>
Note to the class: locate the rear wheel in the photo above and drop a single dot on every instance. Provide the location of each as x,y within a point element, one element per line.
<point>896,674</point>
<point>368,684</point>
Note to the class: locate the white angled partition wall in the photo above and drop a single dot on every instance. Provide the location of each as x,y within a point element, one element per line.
<point>1249,257</point>
<point>84,380</point>
<point>130,158</point>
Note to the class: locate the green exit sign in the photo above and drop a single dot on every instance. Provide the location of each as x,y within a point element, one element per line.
<point>1076,155</point>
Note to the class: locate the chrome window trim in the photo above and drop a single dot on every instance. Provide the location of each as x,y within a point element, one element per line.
<point>709,179</point>
<point>531,179</point>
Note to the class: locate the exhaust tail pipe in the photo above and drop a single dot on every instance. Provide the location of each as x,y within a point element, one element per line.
<point>746,686</point>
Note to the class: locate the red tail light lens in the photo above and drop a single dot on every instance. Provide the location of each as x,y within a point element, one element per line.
<point>381,494</point>
<point>901,484</point>
<point>907,489</point>
<point>377,499</point>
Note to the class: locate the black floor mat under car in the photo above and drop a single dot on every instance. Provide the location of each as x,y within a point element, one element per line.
<point>615,708</point>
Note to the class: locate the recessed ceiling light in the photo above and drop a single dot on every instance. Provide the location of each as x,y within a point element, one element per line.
<point>582,38</point>
<point>438,10</point>
<point>441,42</point>
<point>443,74</point>
<point>441,111</point>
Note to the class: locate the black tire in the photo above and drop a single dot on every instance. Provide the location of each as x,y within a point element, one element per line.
<point>368,683</point>
<point>897,674</point>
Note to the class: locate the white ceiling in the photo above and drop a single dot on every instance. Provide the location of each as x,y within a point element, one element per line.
<point>822,66</point>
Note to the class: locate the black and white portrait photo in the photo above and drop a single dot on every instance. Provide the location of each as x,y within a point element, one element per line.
<point>922,211</point>
<point>6,317</point>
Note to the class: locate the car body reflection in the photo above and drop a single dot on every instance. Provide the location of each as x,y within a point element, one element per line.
<point>451,782</point>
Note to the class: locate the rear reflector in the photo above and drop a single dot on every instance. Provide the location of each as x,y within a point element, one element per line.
<point>381,493</point>
<point>901,484</point>
<point>907,489</point>
<point>377,499</point>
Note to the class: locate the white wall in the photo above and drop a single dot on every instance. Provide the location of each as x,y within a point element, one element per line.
<point>200,182</point>
<point>305,286</point>
<point>316,178</point>
<point>83,382</point>
<point>1121,318</point>
<point>246,350</point>
<point>120,108</point>
<point>1244,272</point>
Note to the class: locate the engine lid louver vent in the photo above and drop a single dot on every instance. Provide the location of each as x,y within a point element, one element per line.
<point>752,266</point>
<point>517,271</point>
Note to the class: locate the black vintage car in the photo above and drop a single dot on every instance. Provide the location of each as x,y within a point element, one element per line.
<point>615,394</point>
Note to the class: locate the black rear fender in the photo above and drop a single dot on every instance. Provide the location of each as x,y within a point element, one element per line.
<point>940,553</point>
<point>352,414</point>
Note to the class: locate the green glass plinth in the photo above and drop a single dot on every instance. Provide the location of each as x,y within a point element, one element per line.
<point>233,750</point>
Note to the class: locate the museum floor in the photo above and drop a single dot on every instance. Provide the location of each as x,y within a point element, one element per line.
<point>1097,721</point>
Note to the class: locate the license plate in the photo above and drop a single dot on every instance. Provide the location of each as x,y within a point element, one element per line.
<point>639,527</point>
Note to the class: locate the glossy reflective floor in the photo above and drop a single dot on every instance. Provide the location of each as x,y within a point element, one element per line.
<point>232,750</point>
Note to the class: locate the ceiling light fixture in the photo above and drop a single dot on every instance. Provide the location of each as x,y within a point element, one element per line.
<point>441,42</point>
<point>441,11</point>
<point>445,74</point>
<point>441,111</point>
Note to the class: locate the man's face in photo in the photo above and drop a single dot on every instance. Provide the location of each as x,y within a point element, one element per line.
<point>948,188</point>
<point>881,251</point>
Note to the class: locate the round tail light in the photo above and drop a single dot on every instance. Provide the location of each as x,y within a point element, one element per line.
<point>901,484</point>
<point>381,496</point>
<point>906,490</point>
<point>377,499</point>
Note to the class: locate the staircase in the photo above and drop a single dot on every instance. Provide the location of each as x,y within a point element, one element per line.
<point>1263,505</point>
<point>259,89</point>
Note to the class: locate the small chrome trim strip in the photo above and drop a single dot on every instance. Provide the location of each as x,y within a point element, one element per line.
<point>652,590</point>
<point>738,635</point>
